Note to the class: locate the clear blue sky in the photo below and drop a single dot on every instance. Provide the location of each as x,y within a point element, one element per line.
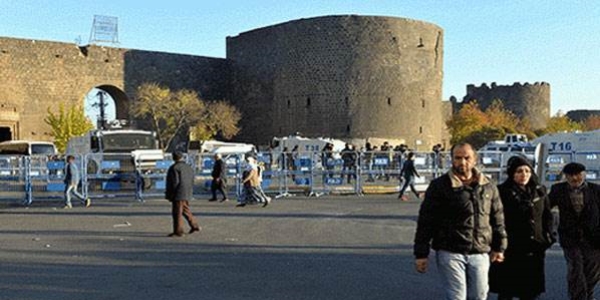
<point>484,41</point>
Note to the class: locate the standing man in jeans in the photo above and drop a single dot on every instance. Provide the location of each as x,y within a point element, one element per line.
<point>578,202</point>
<point>462,219</point>
<point>71,181</point>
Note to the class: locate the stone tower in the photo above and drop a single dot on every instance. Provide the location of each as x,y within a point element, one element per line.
<point>340,76</point>
<point>527,101</point>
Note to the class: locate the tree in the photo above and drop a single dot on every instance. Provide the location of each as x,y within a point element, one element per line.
<point>468,120</point>
<point>592,122</point>
<point>220,118</point>
<point>478,127</point>
<point>173,113</point>
<point>169,112</point>
<point>66,123</point>
<point>560,123</point>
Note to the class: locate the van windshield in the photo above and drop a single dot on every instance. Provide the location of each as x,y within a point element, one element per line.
<point>37,149</point>
<point>127,142</point>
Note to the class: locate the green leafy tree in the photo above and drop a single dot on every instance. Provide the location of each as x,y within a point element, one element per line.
<point>67,122</point>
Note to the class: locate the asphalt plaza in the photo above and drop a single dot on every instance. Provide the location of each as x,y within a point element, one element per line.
<point>330,247</point>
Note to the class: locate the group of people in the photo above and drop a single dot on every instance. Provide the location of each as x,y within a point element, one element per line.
<point>486,238</point>
<point>492,238</point>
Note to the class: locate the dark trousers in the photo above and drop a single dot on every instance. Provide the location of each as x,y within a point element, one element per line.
<point>180,210</point>
<point>218,185</point>
<point>583,270</point>
<point>409,182</point>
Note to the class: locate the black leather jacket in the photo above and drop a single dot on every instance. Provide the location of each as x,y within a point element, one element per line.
<point>460,219</point>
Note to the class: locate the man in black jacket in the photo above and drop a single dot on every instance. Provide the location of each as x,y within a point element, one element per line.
<point>179,190</point>
<point>218,179</point>
<point>579,229</point>
<point>462,219</point>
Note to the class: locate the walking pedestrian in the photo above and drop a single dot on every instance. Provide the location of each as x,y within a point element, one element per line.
<point>179,191</point>
<point>219,181</point>
<point>578,202</point>
<point>461,219</point>
<point>71,182</point>
<point>528,221</point>
<point>251,181</point>
<point>408,173</point>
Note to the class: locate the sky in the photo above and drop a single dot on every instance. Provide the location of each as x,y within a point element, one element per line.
<point>557,42</point>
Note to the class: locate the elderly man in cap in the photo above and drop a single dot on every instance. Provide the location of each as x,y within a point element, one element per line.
<point>179,190</point>
<point>579,230</point>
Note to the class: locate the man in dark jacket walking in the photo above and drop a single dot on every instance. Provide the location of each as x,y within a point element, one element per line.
<point>579,229</point>
<point>219,182</point>
<point>462,219</point>
<point>179,190</point>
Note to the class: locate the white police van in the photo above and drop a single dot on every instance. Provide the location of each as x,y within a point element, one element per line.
<point>561,148</point>
<point>12,151</point>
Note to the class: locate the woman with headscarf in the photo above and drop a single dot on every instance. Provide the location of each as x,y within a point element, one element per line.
<point>528,221</point>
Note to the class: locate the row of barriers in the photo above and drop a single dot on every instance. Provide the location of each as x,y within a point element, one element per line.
<point>27,179</point>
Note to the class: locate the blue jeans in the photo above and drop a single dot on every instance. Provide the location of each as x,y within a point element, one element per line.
<point>464,276</point>
<point>72,189</point>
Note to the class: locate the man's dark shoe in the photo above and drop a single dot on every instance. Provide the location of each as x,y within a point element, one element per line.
<point>241,205</point>
<point>175,234</point>
<point>212,199</point>
<point>195,229</point>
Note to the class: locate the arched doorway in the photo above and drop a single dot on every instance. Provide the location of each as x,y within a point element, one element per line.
<point>108,102</point>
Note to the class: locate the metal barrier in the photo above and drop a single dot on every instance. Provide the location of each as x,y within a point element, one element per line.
<point>12,178</point>
<point>26,179</point>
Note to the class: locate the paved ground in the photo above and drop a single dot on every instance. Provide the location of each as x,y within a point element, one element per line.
<point>334,247</point>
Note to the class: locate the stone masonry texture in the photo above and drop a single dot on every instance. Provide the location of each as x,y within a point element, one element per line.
<point>340,76</point>
<point>38,75</point>
<point>349,77</point>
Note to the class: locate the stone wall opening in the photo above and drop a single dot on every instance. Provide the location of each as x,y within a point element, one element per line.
<point>5,134</point>
<point>116,105</point>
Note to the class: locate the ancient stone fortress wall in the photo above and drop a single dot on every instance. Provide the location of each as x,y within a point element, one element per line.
<point>37,75</point>
<point>528,101</point>
<point>340,76</point>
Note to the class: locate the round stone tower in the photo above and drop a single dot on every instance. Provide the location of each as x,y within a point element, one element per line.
<point>350,77</point>
<point>527,101</point>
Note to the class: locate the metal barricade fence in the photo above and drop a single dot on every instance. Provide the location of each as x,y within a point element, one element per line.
<point>336,172</point>
<point>109,176</point>
<point>273,177</point>
<point>47,176</point>
<point>150,180</point>
<point>26,179</point>
<point>203,164</point>
<point>12,178</point>
<point>380,171</point>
